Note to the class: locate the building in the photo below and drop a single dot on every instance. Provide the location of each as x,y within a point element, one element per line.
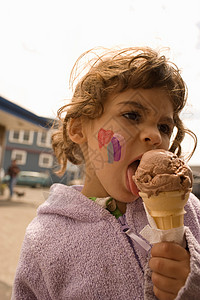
<point>27,138</point>
<point>31,149</point>
<point>15,117</point>
<point>33,152</point>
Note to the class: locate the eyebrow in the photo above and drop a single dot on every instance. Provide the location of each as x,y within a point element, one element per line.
<point>169,120</point>
<point>134,104</point>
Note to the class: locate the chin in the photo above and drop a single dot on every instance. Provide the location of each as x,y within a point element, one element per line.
<point>127,197</point>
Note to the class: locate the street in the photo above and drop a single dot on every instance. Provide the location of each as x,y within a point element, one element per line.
<point>15,215</point>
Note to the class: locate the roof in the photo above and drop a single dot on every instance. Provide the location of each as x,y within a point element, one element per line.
<point>13,116</point>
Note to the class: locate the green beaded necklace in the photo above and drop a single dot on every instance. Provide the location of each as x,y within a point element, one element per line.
<point>108,203</point>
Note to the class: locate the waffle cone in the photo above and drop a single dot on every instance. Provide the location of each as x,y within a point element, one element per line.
<point>167,208</point>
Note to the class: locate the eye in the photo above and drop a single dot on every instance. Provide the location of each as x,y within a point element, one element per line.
<point>133,115</point>
<point>165,129</point>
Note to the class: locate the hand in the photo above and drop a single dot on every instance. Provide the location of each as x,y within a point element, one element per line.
<point>170,265</point>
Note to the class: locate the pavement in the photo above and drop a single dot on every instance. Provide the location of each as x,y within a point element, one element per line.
<point>15,215</point>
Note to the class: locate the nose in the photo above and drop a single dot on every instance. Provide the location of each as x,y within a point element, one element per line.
<point>151,136</point>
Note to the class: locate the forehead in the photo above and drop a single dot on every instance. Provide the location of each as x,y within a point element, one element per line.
<point>155,100</point>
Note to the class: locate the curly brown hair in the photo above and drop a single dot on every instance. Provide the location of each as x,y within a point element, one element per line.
<point>112,72</point>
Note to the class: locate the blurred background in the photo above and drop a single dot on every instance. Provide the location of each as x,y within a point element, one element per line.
<point>40,42</point>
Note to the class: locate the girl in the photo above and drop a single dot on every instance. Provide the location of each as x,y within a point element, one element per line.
<point>79,246</point>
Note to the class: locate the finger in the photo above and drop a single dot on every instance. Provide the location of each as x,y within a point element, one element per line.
<point>170,268</point>
<point>170,250</point>
<point>161,295</point>
<point>166,284</point>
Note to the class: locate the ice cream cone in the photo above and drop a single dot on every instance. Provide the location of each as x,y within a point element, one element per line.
<point>167,208</point>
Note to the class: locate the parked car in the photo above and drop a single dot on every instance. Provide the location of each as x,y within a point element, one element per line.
<point>32,179</point>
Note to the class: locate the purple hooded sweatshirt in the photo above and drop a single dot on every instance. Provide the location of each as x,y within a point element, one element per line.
<point>75,249</point>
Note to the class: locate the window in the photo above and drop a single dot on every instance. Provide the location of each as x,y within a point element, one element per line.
<point>26,136</point>
<point>16,135</point>
<point>45,160</point>
<point>21,136</point>
<point>44,139</point>
<point>20,156</point>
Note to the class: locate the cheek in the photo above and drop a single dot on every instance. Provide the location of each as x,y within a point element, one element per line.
<point>111,145</point>
<point>166,143</point>
<point>116,149</point>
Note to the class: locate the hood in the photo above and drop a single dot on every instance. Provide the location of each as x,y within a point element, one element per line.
<point>68,201</point>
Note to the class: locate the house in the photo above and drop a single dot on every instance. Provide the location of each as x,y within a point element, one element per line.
<point>33,152</point>
<point>27,138</point>
<point>13,116</point>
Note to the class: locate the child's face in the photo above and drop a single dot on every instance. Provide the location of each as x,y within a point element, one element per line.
<point>133,122</point>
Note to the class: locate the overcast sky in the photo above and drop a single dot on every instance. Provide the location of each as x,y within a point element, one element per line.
<point>41,39</point>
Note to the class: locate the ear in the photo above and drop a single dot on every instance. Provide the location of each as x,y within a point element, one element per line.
<point>76,131</point>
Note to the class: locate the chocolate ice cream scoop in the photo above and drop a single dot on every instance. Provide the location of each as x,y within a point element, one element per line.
<point>162,171</point>
<point>165,183</point>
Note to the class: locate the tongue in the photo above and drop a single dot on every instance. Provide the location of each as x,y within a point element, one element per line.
<point>132,185</point>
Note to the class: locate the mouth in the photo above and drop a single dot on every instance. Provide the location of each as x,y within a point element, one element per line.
<point>130,172</point>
